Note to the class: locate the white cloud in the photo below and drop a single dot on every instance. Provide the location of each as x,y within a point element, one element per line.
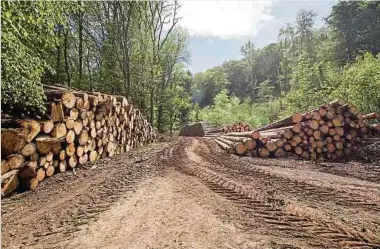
<point>225,19</point>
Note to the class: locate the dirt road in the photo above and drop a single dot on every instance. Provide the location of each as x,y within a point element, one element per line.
<point>189,194</point>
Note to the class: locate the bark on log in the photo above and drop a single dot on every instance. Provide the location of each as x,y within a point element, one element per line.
<point>373,115</point>
<point>225,147</point>
<point>251,134</point>
<point>295,118</point>
<point>29,171</point>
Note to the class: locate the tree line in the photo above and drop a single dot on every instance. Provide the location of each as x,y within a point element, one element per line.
<point>137,49</point>
<point>303,69</point>
<point>131,48</point>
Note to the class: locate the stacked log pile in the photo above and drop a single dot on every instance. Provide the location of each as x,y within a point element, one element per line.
<point>81,127</point>
<point>235,127</point>
<point>332,131</point>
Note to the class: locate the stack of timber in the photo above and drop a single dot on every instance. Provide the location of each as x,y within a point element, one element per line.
<point>235,127</point>
<point>81,127</point>
<point>332,131</point>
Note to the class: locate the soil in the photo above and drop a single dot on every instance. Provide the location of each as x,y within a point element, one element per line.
<point>188,193</point>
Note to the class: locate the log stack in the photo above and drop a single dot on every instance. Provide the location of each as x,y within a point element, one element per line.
<point>81,127</point>
<point>235,127</point>
<point>332,131</point>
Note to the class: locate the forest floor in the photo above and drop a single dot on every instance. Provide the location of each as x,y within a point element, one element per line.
<point>187,193</point>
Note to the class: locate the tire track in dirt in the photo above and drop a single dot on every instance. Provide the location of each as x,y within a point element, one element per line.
<point>54,224</point>
<point>272,211</point>
<point>301,188</point>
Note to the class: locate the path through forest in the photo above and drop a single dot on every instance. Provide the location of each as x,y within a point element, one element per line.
<point>189,194</point>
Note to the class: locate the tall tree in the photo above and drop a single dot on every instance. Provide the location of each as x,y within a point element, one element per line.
<point>358,24</point>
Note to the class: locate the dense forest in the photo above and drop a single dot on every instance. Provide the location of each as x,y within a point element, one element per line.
<point>132,48</point>
<point>137,49</point>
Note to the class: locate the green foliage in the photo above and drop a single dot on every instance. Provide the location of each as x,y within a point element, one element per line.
<point>228,109</point>
<point>208,84</point>
<point>360,83</point>
<point>27,34</point>
<point>123,48</point>
<point>304,69</point>
<point>127,48</point>
<point>356,23</point>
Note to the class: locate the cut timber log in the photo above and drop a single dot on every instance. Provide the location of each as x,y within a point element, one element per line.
<point>15,161</point>
<point>70,136</point>
<point>373,115</point>
<point>50,171</point>
<point>62,166</point>
<point>46,144</point>
<point>238,147</point>
<point>225,147</point>
<point>9,183</point>
<point>28,149</point>
<point>93,156</point>
<point>78,126</point>
<point>47,126</point>
<point>56,112</point>
<point>67,98</point>
<point>73,161</point>
<point>59,131</point>
<point>40,174</point>
<point>249,143</point>
<point>264,152</point>
<point>70,149</point>
<point>31,126</point>
<point>4,166</point>
<point>30,184</point>
<point>251,134</point>
<point>294,119</point>
<point>12,140</point>
<point>69,123</point>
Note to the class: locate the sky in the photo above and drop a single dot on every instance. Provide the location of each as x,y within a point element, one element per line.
<point>218,29</point>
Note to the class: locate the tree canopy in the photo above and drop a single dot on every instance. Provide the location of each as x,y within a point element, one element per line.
<point>131,48</point>
<point>303,69</point>
<point>137,49</point>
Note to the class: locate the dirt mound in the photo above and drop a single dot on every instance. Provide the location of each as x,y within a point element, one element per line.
<point>194,130</point>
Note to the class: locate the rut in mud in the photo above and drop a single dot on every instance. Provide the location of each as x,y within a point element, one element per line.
<point>189,194</point>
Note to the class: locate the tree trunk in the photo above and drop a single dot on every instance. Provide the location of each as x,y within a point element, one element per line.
<point>58,57</point>
<point>80,52</point>
<point>151,117</point>
<point>67,59</point>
